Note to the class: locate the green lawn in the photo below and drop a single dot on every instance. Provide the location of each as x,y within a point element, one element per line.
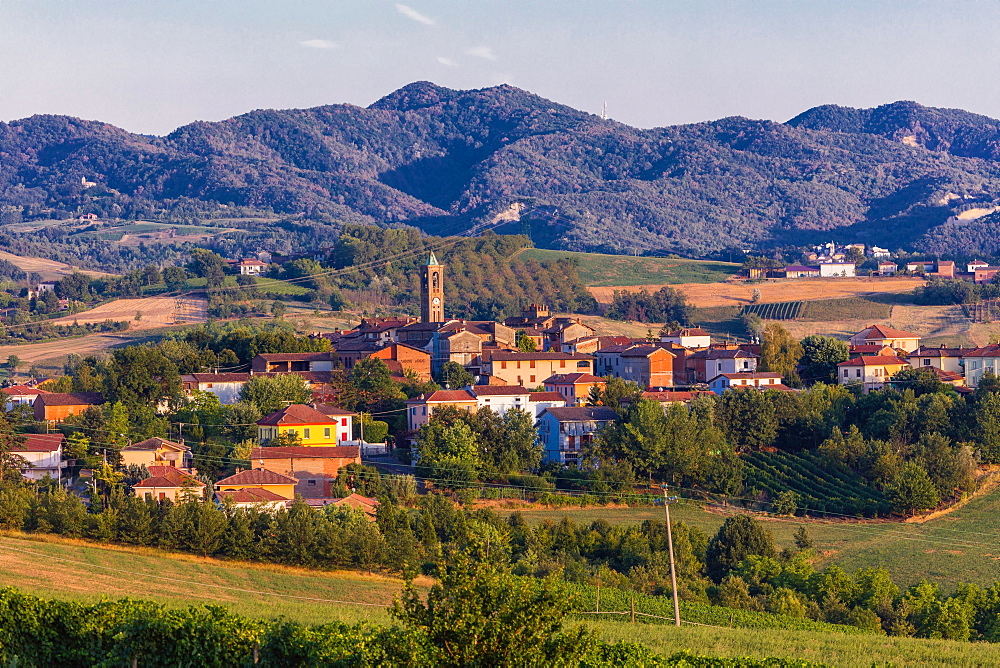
<point>270,285</point>
<point>848,308</point>
<point>597,269</point>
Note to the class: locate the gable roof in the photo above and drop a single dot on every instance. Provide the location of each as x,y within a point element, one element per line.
<point>258,477</point>
<point>39,443</point>
<point>512,356</point>
<point>645,351</point>
<point>295,357</point>
<point>23,390</point>
<point>71,399</point>
<point>688,331</point>
<point>582,413</point>
<point>364,503</point>
<point>924,351</point>
<point>168,476</point>
<point>992,350</point>
<point>874,360</point>
<point>154,444</point>
<point>573,379</point>
<point>216,377</point>
<point>296,414</point>
<point>881,331</point>
<point>331,410</point>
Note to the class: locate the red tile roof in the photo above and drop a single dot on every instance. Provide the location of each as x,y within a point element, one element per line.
<point>887,333</point>
<point>22,390</point>
<point>874,360</point>
<point>498,390</point>
<point>443,396</point>
<point>39,443</point>
<point>168,476</point>
<point>306,452</point>
<point>512,356</point>
<point>250,495</point>
<point>582,413</point>
<point>573,379</point>
<point>71,399</point>
<point>258,477</point>
<point>330,409</point>
<point>296,414</point>
<point>154,444</point>
<point>545,397</point>
<point>295,357</point>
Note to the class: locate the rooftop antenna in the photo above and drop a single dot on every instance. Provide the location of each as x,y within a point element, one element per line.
<point>604,112</point>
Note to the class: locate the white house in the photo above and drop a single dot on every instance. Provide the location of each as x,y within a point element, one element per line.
<point>566,432</point>
<point>694,337</point>
<point>762,379</point>
<point>20,395</point>
<point>836,269</point>
<point>880,252</point>
<point>720,361</point>
<point>871,371</point>
<point>42,454</point>
<point>946,359</point>
<point>980,361</point>
<point>226,386</point>
<point>252,267</point>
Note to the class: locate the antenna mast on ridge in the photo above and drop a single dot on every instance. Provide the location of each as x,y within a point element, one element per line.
<point>604,112</point>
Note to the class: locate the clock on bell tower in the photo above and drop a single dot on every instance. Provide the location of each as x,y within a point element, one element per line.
<point>432,291</point>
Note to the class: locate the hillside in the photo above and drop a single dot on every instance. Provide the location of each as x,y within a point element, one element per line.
<point>444,160</point>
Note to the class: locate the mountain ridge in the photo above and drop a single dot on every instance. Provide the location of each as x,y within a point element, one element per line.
<point>444,159</point>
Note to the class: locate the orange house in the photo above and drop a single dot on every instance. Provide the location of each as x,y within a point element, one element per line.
<point>314,467</point>
<point>57,406</point>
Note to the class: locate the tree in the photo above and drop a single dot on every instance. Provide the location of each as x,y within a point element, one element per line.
<point>206,264</point>
<point>780,353</point>
<point>13,363</point>
<point>739,537</point>
<point>747,418</point>
<point>370,388</point>
<point>454,375</point>
<point>820,357</point>
<point>175,278</point>
<point>524,342</point>
<point>912,490</point>
<point>477,615</point>
<point>277,308</point>
<point>802,540</point>
<point>270,393</point>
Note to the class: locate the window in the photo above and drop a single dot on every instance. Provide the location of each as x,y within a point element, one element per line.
<point>927,362</point>
<point>846,373</point>
<point>326,432</point>
<point>531,379</point>
<point>857,373</point>
<point>503,365</point>
<point>424,411</point>
<point>305,433</point>
<point>531,364</point>
<point>311,482</point>
<point>562,364</point>
<point>519,364</point>
<point>343,423</point>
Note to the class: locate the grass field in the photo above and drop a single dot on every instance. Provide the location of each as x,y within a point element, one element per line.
<point>825,310</point>
<point>49,270</point>
<point>156,312</point>
<point>832,649</point>
<point>74,570</point>
<point>597,269</point>
<point>80,572</point>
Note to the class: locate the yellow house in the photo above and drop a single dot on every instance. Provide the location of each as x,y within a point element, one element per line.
<point>157,452</point>
<point>168,483</point>
<point>531,369</point>
<point>872,372</point>
<point>881,335</point>
<point>326,428</point>
<point>259,479</point>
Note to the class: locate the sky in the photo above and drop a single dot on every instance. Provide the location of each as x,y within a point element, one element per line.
<point>152,65</point>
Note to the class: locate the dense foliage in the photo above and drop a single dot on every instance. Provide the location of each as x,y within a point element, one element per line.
<point>444,160</point>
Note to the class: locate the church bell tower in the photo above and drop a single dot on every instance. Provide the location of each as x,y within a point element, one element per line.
<point>432,291</point>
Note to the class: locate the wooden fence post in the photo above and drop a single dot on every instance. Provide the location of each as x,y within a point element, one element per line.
<point>632,608</point>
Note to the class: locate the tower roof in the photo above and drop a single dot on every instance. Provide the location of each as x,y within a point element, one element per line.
<point>432,261</point>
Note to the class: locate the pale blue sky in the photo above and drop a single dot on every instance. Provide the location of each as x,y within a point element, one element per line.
<point>152,65</point>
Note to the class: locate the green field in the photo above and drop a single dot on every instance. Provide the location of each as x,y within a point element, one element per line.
<point>86,573</point>
<point>269,285</point>
<point>848,308</point>
<point>599,270</point>
<point>775,311</point>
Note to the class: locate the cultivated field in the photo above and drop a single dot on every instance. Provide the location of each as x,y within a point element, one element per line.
<point>736,294</point>
<point>156,312</point>
<point>48,269</point>
<point>77,571</point>
<point>598,269</point>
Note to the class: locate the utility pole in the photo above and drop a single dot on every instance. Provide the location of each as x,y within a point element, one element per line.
<point>670,546</point>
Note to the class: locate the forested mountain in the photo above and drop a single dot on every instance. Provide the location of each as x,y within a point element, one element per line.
<point>444,160</point>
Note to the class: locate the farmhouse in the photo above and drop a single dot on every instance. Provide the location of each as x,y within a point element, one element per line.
<point>157,452</point>
<point>871,372</point>
<point>225,386</point>
<point>252,267</point>
<point>945,359</point>
<point>314,468</point>
<point>887,336</point>
<point>761,379</point>
<point>57,406</point>
<point>20,395</point>
<point>257,486</point>
<point>694,337</point>
<point>167,483</point>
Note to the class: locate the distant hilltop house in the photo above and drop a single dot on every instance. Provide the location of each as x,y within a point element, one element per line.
<point>252,267</point>
<point>877,252</point>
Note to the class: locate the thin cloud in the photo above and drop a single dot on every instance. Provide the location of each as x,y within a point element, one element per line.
<point>447,61</point>
<point>319,44</point>
<point>481,52</point>
<point>411,13</point>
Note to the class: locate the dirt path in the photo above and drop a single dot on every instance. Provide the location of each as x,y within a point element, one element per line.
<point>737,294</point>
